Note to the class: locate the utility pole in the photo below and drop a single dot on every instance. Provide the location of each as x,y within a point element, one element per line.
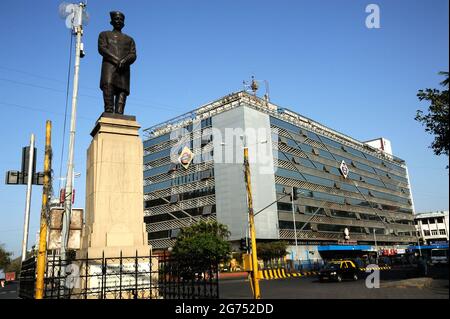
<point>255,275</point>
<point>295,226</point>
<point>41,260</point>
<point>78,30</point>
<point>28,199</point>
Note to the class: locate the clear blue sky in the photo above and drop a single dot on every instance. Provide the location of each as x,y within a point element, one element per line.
<point>318,57</point>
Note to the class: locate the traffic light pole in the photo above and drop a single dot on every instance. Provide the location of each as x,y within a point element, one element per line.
<point>255,275</point>
<point>44,210</point>
<point>28,199</point>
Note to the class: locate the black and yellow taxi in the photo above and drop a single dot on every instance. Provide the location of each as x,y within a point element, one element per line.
<point>338,270</point>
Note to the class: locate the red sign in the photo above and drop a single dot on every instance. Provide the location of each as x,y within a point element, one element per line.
<point>389,252</point>
<point>10,276</point>
<point>62,196</point>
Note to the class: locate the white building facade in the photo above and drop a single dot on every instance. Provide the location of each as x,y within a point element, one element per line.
<point>432,227</point>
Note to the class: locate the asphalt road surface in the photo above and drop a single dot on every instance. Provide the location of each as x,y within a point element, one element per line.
<point>398,284</point>
<point>395,284</point>
<point>10,291</point>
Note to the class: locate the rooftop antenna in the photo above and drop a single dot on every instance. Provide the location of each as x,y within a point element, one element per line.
<point>75,16</point>
<point>254,86</point>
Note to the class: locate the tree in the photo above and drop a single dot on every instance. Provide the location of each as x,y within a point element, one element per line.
<point>5,257</point>
<point>437,120</point>
<point>14,266</point>
<point>202,245</point>
<point>272,250</point>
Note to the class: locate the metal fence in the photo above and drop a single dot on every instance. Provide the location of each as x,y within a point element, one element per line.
<point>137,277</point>
<point>27,278</point>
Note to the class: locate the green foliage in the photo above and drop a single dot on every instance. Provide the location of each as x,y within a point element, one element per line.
<point>202,244</point>
<point>436,122</point>
<point>14,266</point>
<point>5,257</point>
<point>272,250</point>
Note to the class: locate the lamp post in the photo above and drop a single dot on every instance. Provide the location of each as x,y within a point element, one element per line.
<point>75,21</point>
<point>376,246</point>
<point>295,226</point>
<point>28,199</point>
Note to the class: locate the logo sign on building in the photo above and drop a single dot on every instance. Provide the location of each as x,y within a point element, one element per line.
<point>344,169</point>
<point>186,157</point>
<point>346,234</point>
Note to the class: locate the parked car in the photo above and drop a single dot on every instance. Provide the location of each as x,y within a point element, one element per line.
<point>339,270</point>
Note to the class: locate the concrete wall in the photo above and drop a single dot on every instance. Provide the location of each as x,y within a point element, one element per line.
<point>231,198</point>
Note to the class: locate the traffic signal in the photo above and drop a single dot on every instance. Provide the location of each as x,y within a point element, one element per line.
<point>244,245</point>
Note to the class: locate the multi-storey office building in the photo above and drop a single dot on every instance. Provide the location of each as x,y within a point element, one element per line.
<point>432,227</point>
<point>289,152</point>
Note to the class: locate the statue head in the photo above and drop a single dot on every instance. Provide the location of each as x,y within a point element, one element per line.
<point>117,20</point>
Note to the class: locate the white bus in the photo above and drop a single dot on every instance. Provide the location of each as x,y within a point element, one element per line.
<point>439,256</point>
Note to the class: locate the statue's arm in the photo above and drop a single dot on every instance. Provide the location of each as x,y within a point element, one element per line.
<point>131,56</point>
<point>103,50</point>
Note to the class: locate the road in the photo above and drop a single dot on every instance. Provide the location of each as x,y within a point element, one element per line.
<point>10,291</point>
<point>396,283</point>
<point>392,285</point>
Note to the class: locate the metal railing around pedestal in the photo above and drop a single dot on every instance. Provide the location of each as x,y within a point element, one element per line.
<point>123,277</point>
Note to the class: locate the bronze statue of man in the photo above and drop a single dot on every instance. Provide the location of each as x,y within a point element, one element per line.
<point>119,52</point>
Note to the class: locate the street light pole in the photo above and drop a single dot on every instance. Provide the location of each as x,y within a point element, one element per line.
<point>376,246</point>
<point>295,226</point>
<point>28,199</point>
<point>69,178</point>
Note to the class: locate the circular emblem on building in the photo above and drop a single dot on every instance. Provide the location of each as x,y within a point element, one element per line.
<point>186,157</point>
<point>343,168</point>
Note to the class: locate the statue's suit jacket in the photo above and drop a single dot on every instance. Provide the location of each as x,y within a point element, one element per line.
<point>115,46</point>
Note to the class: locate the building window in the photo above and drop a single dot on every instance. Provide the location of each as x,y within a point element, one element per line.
<point>426,233</point>
<point>303,133</point>
<point>174,233</point>
<point>207,210</point>
<point>442,232</point>
<point>206,174</point>
<point>173,167</point>
<point>439,220</point>
<point>282,140</point>
<point>434,232</point>
<point>301,209</point>
<point>174,198</point>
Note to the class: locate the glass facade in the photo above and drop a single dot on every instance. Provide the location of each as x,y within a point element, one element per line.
<point>373,199</point>
<point>175,196</point>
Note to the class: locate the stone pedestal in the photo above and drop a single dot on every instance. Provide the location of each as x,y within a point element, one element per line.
<point>114,191</point>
